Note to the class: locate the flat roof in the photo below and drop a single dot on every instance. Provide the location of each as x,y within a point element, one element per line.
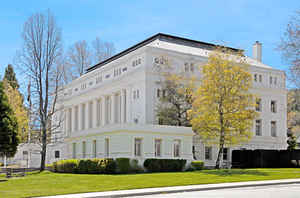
<point>162,37</point>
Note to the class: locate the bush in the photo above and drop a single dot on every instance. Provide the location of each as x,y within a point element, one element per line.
<point>123,165</point>
<point>164,165</point>
<point>197,165</point>
<point>1,164</point>
<point>85,166</point>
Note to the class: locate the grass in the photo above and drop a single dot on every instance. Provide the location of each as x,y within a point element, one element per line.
<point>47,183</point>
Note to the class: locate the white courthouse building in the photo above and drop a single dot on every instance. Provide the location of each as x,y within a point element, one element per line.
<point>111,110</point>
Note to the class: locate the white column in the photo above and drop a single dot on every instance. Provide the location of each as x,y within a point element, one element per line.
<point>66,122</point>
<point>79,116</point>
<point>122,106</point>
<point>128,101</point>
<point>87,115</point>
<point>73,119</point>
<point>103,110</point>
<point>113,101</point>
<point>95,110</point>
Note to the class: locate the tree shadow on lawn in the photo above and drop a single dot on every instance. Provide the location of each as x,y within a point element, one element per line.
<point>233,172</point>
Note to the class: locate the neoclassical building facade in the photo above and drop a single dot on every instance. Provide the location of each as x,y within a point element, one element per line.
<point>111,110</point>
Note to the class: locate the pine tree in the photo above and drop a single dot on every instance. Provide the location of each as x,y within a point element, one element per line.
<point>8,127</point>
<point>10,76</point>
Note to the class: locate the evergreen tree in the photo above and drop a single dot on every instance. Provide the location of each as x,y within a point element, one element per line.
<point>10,76</point>
<point>8,127</point>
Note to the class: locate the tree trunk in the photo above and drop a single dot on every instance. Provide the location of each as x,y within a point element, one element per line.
<point>220,154</point>
<point>44,147</point>
<point>5,163</point>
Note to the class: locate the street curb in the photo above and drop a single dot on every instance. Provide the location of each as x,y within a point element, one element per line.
<point>170,190</point>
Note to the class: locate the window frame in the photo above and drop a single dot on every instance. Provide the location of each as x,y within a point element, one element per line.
<point>208,153</point>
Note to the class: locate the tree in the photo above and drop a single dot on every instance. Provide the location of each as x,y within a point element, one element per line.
<point>40,60</point>
<point>15,100</point>
<point>175,98</point>
<point>223,109</point>
<point>10,76</point>
<point>79,58</point>
<point>8,127</point>
<point>290,48</point>
<point>102,50</point>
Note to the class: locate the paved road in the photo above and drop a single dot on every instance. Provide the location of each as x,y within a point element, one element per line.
<point>275,191</point>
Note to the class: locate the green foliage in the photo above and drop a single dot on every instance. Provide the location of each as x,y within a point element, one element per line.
<point>164,165</point>
<point>85,166</point>
<point>8,127</point>
<point>10,76</point>
<point>123,165</point>
<point>197,165</point>
<point>1,164</point>
<point>292,143</point>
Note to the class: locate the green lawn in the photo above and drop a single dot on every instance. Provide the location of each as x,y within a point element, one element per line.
<point>47,183</point>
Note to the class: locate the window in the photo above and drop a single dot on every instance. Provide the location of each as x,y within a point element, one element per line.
<point>106,148</point>
<point>157,148</point>
<point>91,114</point>
<point>56,154</point>
<point>83,149</point>
<point>25,155</point>
<point>271,79</point>
<point>98,79</point>
<point>260,78</point>
<point>186,67</point>
<point>158,93</point>
<point>192,67</point>
<point>76,118</point>
<point>225,153</point>
<point>82,116</point>
<point>273,106</point>
<point>156,60</point>
<point>83,86</point>
<point>176,148</point>
<point>164,94</point>
<point>99,111</point>
<point>255,77</point>
<point>273,128</point>
<point>275,80</point>
<point>74,150</point>
<point>137,147</point>
<point>258,106</point>
<point>208,152</point>
<point>258,125</point>
<point>94,148</point>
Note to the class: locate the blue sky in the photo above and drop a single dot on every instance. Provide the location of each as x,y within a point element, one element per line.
<point>236,23</point>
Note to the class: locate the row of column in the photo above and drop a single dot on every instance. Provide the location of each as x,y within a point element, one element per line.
<point>104,110</point>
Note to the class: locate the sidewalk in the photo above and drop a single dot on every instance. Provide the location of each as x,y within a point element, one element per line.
<point>176,189</point>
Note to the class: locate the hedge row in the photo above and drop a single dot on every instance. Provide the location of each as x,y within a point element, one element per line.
<point>91,166</point>
<point>121,165</point>
<point>164,165</point>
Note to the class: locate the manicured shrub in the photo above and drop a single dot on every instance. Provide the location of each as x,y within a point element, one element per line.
<point>164,165</point>
<point>1,164</point>
<point>85,166</point>
<point>197,165</point>
<point>123,165</point>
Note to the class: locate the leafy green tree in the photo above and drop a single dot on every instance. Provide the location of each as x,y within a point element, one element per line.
<point>8,127</point>
<point>223,108</point>
<point>175,100</point>
<point>10,76</point>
